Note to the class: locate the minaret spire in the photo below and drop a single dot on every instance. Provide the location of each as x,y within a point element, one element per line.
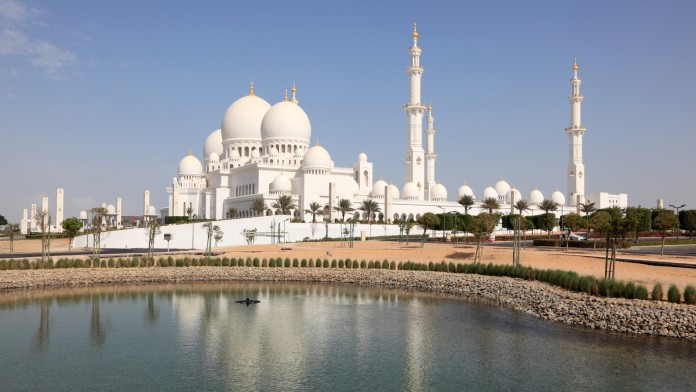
<point>294,90</point>
<point>415,171</point>
<point>251,88</point>
<point>575,132</point>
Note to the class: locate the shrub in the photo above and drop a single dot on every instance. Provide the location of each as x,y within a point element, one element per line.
<point>78,263</point>
<point>271,262</point>
<point>452,267</point>
<point>311,263</point>
<point>248,261</point>
<point>629,291</point>
<point>443,266</point>
<point>392,265</point>
<point>255,262</point>
<point>673,294</point>
<point>355,264</point>
<point>363,264</point>
<point>295,263</point>
<point>287,263</point>
<point>195,262</point>
<point>690,295</point>
<point>341,264</point>
<point>657,293</point>
<point>225,262</point>
<point>377,265</point>
<point>304,263</point>
<point>349,263</point>
<point>616,289</point>
<point>333,263</point>
<point>180,262</point>
<point>326,263</point>
<point>604,287</point>
<point>371,265</point>
<point>385,264</point>
<point>431,266</point>
<point>641,292</point>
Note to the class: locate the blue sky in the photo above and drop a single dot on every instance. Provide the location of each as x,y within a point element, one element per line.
<point>104,98</point>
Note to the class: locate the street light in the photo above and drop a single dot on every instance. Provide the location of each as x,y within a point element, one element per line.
<point>677,208</point>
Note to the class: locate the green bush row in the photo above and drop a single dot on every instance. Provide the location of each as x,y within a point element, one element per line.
<point>565,279</point>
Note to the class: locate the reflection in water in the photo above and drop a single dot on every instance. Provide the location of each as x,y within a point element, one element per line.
<point>41,338</point>
<point>313,337</point>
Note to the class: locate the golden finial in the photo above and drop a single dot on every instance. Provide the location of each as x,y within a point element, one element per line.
<point>317,143</point>
<point>251,88</point>
<point>575,64</point>
<point>190,152</point>
<point>430,106</point>
<point>286,94</point>
<point>294,89</point>
<point>415,33</point>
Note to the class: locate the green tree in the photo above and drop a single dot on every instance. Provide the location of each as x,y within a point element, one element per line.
<point>490,204</point>
<point>587,208</point>
<point>258,206</point>
<point>482,227</point>
<point>548,205</point>
<point>546,222</point>
<point>637,219</point>
<point>687,221</point>
<point>664,221</point>
<point>232,213</point>
<point>10,231</point>
<point>285,204</point>
<point>574,221</point>
<point>428,221</point>
<point>43,221</point>
<point>467,201</point>
<point>97,228</point>
<point>371,208</point>
<point>211,231</point>
<point>344,206</point>
<point>153,230</point>
<point>314,209</point>
<point>522,206</point>
<point>71,227</point>
<point>600,223</point>
<point>3,220</point>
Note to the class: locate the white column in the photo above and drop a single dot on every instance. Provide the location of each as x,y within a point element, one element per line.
<point>332,200</point>
<point>575,132</point>
<point>119,204</point>
<point>24,223</point>
<point>59,207</point>
<point>32,218</point>
<point>387,203</point>
<point>44,204</point>
<point>415,157</point>
<point>146,202</point>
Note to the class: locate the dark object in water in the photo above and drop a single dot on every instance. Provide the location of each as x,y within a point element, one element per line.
<point>248,301</point>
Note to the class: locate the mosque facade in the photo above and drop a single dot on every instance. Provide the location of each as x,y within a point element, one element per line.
<point>263,151</point>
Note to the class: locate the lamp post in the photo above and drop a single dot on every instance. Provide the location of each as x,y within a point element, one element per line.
<point>285,233</point>
<point>193,231</point>
<point>678,208</point>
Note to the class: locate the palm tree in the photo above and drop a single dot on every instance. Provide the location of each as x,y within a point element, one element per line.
<point>284,204</point>
<point>314,209</point>
<point>467,201</point>
<point>490,204</point>
<point>369,207</point>
<point>344,206</point>
<point>232,212</point>
<point>548,205</point>
<point>587,209</point>
<point>258,206</point>
<point>522,206</point>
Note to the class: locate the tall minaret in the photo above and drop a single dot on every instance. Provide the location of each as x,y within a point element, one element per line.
<point>429,153</point>
<point>414,113</point>
<point>576,169</point>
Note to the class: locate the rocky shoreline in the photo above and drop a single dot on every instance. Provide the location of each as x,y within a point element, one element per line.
<point>537,299</point>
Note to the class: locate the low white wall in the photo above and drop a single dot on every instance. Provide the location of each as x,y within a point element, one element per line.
<point>193,235</point>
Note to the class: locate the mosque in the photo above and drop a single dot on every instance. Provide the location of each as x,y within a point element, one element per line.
<point>263,151</point>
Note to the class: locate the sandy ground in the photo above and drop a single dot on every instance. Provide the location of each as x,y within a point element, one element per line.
<point>584,262</point>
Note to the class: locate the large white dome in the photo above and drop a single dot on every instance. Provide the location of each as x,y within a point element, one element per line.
<point>535,197</point>
<point>378,188</point>
<point>317,158</point>
<point>110,210</point>
<point>83,215</point>
<point>394,191</point>
<point>490,193</point>
<point>362,157</point>
<point>558,198</point>
<point>242,120</point>
<point>213,144</point>
<point>464,190</point>
<point>508,196</point>
<point>502,187</point>
<point>190,166</point>
<point>438,192</point>
<point>286,120</point>
<point>410,191</point>
<point>281,184</point>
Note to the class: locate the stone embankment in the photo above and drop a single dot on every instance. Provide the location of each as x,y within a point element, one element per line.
<point>534,298</point>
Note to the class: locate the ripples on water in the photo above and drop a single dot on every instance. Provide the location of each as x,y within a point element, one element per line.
<point>312,337</point>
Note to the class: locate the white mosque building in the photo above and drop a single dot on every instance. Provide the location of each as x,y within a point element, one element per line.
<point>263,151</point>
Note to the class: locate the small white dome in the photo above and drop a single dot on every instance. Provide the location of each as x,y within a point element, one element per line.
<point>535,197</point>
<point>438,193</point>
<point>378,188</point>
<point>286,120</point>
<point>362,157</point>
<point>464,190</point>
<point>213,144</point>
<point>273,152</point>
<point>234,154</point>
<point>281,184</point>
<point>317,158</point>
<point>502,187</point>
<point>242,120</point>
<point>151,211</point>
<point>489,193</point>
<point>508,196</point>
<point>394,191</point>
<point>213,157</point>
<point>255,154</point>
<point>558,198</point>
<point>190,166</point>
<point>299,153</point>
<point>110,210</point>
<point>410,191</point>
<point>82,215</point>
